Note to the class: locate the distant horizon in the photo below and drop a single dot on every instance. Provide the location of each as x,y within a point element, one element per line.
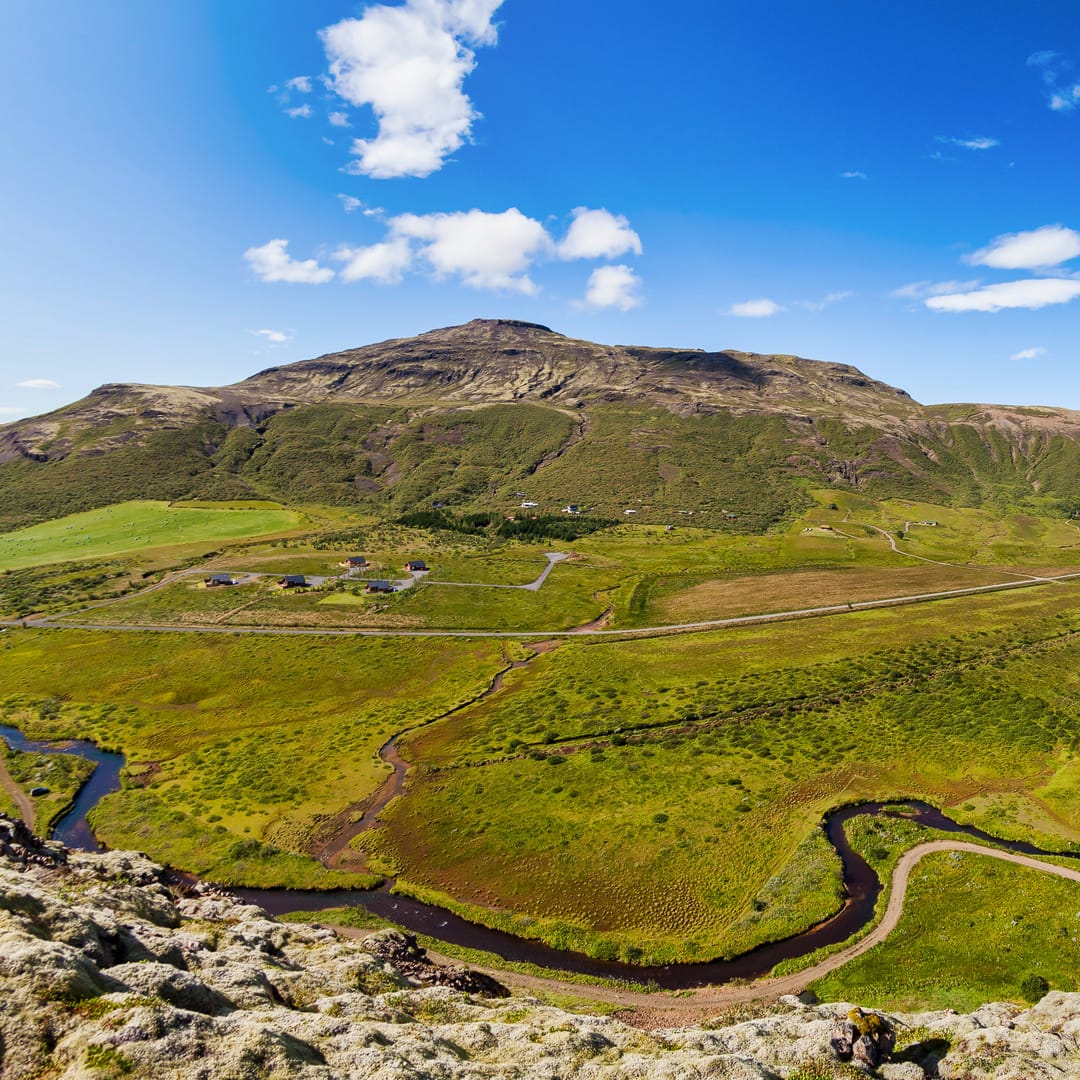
<point>888,186</point>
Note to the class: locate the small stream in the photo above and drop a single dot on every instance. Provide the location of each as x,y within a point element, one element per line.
<point>862,888</point>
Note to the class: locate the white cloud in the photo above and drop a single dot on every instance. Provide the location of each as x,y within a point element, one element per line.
<point>301,84</point>
<point>301,112</point>
<point>350,204</point>
<point>919,290</point>
<point>598,234</point>
<point>272,262</point>
<point>385,262</point>
<point>1047,246</point>
<point>1063,93</point>
<point>39,384</point>
<point>487,251</point>
<point>1029,293</point>
<point>409,64</point>
<point>1028,354</point>
<point>981,142</point>
<point>854,174</point>
<point>613,286</point>
<point>1065,99</point>
<point>339,119</point>
<point>275,337</point>
<point>824,302</point>
<point>755,309</point>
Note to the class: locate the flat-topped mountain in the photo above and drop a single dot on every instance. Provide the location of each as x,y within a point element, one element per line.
<point>463,414</point>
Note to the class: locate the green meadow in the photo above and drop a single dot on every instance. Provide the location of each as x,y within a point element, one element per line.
<point>654,799</point>
<point>233,739</point>
<point>130,527</point>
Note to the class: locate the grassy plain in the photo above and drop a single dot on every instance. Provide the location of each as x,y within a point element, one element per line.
<point>973,929</point>
<point>233,739</point>
<point>62,774</point>
<point>655,819</point>
<point>135,526</point>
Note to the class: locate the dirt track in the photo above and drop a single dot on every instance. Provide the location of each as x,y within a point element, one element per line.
<point>22,801</point>
<point>667,1010</point>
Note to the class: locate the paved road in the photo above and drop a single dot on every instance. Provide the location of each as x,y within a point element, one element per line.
<point>51,623</point>
<point>666,1010</point>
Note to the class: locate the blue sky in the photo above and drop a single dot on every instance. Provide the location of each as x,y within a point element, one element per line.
<point>193,190</point>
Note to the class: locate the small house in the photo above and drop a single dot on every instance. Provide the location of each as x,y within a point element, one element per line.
<point>219,579</point>
<point>353,562</point>
<point>379,587</point>
<point>629,511</point>
<point>415,566</point>
<point>528,504</point>
<point>932,524</point>
<point>292,581</point>
<point>572,508</point>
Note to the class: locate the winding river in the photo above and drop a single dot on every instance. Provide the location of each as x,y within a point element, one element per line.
<point>862,887</point>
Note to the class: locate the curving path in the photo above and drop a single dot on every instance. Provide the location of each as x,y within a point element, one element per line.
<point>23,803</point>
<point>664,1010</point>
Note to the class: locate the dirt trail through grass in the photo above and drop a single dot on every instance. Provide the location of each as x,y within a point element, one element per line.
<point>22,801</point>
<point>694,1006</point>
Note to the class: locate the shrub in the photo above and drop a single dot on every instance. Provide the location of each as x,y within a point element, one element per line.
<point>1034,988</point>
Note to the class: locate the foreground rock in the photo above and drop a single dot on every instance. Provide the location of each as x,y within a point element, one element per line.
<point>106,971</point>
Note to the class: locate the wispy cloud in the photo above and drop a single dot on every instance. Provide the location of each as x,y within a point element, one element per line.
<point>301,112</point>
<point>919,290</point>
<point>854,174</point>
<point>339,119</point>
<point>39,384</point>
<point>1029,293</point>
<point>272,263</point>
<point>1029,354</point>
<point>613,287</point>
<point>275,337</point>
<point>982,142</point>
<point>409,64</point>
<point>824,302</point>
<point>301,84</point>
<point>1058,76</point>
<point>1050,245</point>
<point>761,308</point>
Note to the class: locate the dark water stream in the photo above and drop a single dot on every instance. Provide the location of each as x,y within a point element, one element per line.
<point>861,886</point>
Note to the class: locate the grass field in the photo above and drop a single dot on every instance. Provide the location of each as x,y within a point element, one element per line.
<point>973,929</point>
<point>62,774</point>
<point>136,526</point>
<point>233,739</point>
<point>656,820</point>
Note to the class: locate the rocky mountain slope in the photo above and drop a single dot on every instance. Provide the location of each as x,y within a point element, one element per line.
<point>466,414</point>
<point>108,971</point>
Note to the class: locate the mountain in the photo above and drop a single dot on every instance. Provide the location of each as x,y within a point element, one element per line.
<point>469,414</point>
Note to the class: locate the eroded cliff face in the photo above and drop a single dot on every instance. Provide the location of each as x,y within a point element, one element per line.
<point>107,971</point>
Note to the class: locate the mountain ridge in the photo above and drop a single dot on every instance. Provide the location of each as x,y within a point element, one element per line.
<point>380,423</point>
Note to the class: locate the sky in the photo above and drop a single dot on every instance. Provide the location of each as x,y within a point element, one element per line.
<point>195,190</point>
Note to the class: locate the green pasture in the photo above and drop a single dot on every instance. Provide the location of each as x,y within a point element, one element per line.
<point>641,795</point>
<point>973,929</point>
<point>62,774</point>
<point>233,739</point>
<point>135,526</point>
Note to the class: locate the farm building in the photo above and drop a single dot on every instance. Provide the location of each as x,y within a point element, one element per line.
<point>353,562</point>
<point>379,587</point>
<point>219,579</point>
<point>572,508</point>
<point>416,565</point>
<point>292,581</point>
